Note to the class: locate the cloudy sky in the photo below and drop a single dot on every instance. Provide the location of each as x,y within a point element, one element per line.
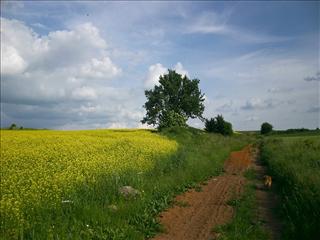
<point>84,65</point>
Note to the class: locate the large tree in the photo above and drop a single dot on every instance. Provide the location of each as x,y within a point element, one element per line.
<point>266,128</point>
<point>175,97</point>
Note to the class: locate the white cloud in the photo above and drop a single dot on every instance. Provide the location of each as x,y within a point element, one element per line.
<point>267,83</point>
<point>11,61</point>
<point>55,79</point>
<point>180,69</point>
<point>153,75</point>
<point>226,107</point>
<point>273,90</point>
<point>252,118</point>
<point>266,70</point>
<point>276,90</point>
<point>70,48</point>
<point>144,126</point>
<point>206,99</point>
<point>59,49</point>
<point>208,23</point>
<point>217,24</point>
<point>158,69</point>
<point>134,57</point>
<point>91,33</point>
<point>89,108</point>
<point>103,68</point>
<point>84,93</point>
<point>55,67</point>
<point>117,125</point>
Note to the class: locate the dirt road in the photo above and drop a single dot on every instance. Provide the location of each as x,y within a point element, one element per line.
<point>198,212</point>
<point>267,201</point>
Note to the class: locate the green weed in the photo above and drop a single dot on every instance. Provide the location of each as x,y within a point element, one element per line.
<point>294,164</point>
<point>244,225</point>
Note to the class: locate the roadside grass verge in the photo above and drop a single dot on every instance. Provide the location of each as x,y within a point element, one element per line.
<point>244,225</point>
<point>294,163</point>
<point>93,208</point>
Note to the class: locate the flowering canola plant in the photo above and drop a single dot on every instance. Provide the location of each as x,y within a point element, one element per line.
<point>41,167</point>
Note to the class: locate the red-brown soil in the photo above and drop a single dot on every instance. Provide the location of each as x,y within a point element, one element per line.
<point>267,201</point>
<point>196,213</point>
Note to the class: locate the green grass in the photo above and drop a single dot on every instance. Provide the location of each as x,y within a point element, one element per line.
<point>294,163</point>
<point>310,133</point>
<point>244,225</point>
<point>88,215</point>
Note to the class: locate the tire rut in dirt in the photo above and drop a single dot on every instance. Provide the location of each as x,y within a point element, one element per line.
<point>208,208</point>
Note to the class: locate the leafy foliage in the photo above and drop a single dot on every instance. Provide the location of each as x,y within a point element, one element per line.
<point>175,96</point>
<point>218,125</point>
<point>13,126</point>
<point>266,128</point>
<point>172,119</point>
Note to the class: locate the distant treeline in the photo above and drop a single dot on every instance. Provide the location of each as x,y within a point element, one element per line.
<point>296,130</point>
<point>14,126</point>
<point>288,131</point>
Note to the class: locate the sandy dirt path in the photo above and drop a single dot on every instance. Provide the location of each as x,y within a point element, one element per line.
<point>267,201</point>
<point>197,213</point>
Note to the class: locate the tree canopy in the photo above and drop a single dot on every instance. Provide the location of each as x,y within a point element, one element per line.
<point>266,128</point>
<point>175,97</point>
<point>218,125</point>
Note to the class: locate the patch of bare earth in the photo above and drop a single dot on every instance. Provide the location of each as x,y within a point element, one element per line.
<point>267,201</point>
<point>197,213</point>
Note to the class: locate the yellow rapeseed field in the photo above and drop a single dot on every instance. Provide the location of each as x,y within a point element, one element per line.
<point>42,167</point>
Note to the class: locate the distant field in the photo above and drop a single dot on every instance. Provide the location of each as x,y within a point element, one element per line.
<point>61,184</point>
<point>310,133</point>
<point>286,133</point>
<point>294,162</point>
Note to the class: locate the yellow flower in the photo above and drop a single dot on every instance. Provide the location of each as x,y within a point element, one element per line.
<point>42,167</point>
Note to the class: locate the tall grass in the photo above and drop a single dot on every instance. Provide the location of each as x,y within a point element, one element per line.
<point>294,162</point>
<point>84,212</point>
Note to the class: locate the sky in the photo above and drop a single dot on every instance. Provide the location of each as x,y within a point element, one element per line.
<point>86,65</point>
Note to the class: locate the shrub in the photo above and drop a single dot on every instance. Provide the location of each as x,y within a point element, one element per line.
<point>218,125</point>
<point>13,126</point>
<point>227,128</point>
<point>210,125</point>
<point>266,128</point>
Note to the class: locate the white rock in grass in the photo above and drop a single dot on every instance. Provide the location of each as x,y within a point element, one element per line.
<point>128,192</point>
<point>113,208</point>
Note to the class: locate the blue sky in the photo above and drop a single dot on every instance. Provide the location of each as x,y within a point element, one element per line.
<point>83,65</point>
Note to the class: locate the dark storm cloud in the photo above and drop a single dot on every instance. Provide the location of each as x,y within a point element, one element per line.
<point>314,109</point>
<point>313,78</point>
